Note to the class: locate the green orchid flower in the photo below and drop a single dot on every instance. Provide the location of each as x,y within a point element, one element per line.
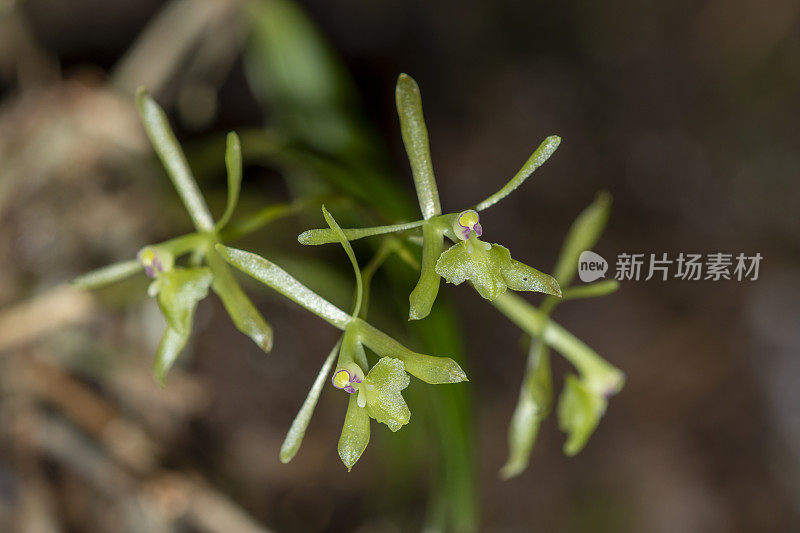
<point>488,267</point>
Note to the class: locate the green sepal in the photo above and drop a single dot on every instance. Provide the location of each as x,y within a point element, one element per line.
<point>107,275</point>
<point>430,369</point>
<point>491,270</point>
<point>294,437</point>
<point>173,159</point>
<point>415,139</point>
<point>579,413</point>
<point>233,164</point>
<point>534,405</point>
<point>355,433</point>
<point>537,159</point>
<point>281,281</point>
<point>424,293</point>
<point>582,235</point>
<point>240,308</point>
<point>382,388</point>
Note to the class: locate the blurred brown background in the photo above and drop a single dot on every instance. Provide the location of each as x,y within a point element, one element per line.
<point>687,112</point>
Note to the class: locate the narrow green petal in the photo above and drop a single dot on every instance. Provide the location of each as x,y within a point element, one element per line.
<point>294,437</point>
<point>355,433</point>
<point>533,406</point>
<point>434,370</point>
<point>240,308</point>
<point>281,281</point>
<point>328,236</point>
<point>173,159</point>
<point>424,294</point>
<point>107,275</point>
<point>415,138</point>
<point>583,235</point>
<point>233,163</point>
<point>537,159</point>
<point>170,347</point>
<point>579,413</point>
<point>591,290</point>
<point>350,254</point>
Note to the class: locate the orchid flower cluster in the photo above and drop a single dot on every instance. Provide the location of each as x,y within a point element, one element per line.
<point>375,390</point>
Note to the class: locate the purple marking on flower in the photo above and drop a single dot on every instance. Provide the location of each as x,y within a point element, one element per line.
<point>466,222</point>
<point>345,382</point>
<point>149,260</point>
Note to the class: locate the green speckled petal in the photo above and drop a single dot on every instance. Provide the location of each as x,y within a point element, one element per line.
<point>383,385</point>
<point>491,270</point>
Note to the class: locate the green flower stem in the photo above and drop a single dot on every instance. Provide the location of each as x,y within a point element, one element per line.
<point>261,218</point>
<point>602,377</point>
<point>387,247</point>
